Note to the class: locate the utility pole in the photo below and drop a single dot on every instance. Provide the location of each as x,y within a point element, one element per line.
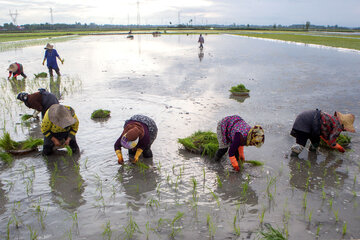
<point>14,16</point>
<point>51,15</point>
<point>179,18</point>
<point>138,13</point>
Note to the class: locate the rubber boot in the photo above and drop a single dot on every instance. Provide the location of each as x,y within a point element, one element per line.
<point>219,154</point>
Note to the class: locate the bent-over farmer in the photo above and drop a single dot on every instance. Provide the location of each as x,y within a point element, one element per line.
<point>39,101</point>
<point>316,124</point>
<point>59,126</point>
<point>138,135</point>
<point>233,133</point>
<point>16,69</point>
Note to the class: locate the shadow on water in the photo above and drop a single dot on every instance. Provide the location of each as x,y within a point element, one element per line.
<point>3,199</point>
<point>138,180</point>
<point>17,85</point>
<point>316,172</point>
<point>240,99</point>
<point>65,181</point>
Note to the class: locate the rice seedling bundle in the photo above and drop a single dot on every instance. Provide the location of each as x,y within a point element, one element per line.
<point>100,113</point>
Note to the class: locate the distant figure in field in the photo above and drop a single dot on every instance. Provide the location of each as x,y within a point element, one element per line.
<point>50,56</point>
<point>16,69</point>
<point>40,101</point>
<point>201,41</point>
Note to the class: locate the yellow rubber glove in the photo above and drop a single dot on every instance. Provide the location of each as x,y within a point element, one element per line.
<point>120,157</point>
<point>137,154</point>
<point>241,153</point>
<point>234,163</point>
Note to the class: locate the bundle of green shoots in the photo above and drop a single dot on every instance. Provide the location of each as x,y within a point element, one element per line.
<point>239,88</point>
<point>100,113</point>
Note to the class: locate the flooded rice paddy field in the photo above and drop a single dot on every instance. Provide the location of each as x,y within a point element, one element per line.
<point>181,195</point>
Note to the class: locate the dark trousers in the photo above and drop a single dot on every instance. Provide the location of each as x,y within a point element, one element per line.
<point>57,70</point>
<point>147,153</point>
<point>48,146</point>
<point>302,137</point>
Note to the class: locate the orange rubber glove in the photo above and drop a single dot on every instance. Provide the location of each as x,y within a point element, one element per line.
<point>137,154</point>
<point>234,163</point>
<point>120,157</point>
<point>339,148</point>
<point>241,153</point>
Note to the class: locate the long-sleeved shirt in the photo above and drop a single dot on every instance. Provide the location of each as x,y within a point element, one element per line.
<point>48,128</point>
<point>330,128</point>
<point>143,143</point>
<point>41,101</point>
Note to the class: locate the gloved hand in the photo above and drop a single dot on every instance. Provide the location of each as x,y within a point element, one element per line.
<point>241,153</point>
<point>339,148</point>
<point>120,157</point>
<point>137,154</point>
<point>234,163</point>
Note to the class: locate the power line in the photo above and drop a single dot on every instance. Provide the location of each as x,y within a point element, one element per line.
<point>138,13</point>
<point>14,16</point>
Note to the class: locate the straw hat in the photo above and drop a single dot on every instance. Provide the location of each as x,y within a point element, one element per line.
<point>126,143</point>
<point>13,67</point>
<point>61,116</point>
<point>131,134</point>
<point>347,120</point>
<point>255,136</point>
<point>49,46</point>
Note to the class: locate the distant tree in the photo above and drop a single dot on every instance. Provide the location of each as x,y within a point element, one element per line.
<point>307,25</point>
<point>274,27</point>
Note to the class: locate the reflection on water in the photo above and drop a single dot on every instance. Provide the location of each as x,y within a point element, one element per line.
<point>55,86</point>
<point>312,174</point>
<point>137,181</point>
<point>3,199</point>
<point>65,181</point>
<point>201,54</point>
<point>17,85</point>
<point>240,99</point>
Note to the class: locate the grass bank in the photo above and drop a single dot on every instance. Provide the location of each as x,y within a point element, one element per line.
<point>333,40</point>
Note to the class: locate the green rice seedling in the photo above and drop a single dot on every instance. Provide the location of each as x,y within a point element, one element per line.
<point>152,203</point>
<point>354,181</point>
<point>323,194</point>
<point>74,218</point>
<point>33,233</point>
<point>31,143</point>
<point>175,230</point>
<point>336,214</point>
<point>262,214</point>
<point>218,180</point>
<point>100,113</point>
<point>69,234</point>
<point>298,165</point>
<point>310,216</point>
<point>6,143</point>
<point>211,226</point>
<point>142,166</point>
<point>215,197</point>
<point>354,193</point>
<point>131,228</point>
<point>227,173</point>
<point>8,228</point>
<point>254,162</point>
<point>343,140</point>
<point>41,75</point>
<point>305,200</point>
<point>69,150</point>
<point>41,213</point>
<point>271,233</point>
<point>330,203</point>
<point>148,228</point>
<point>318,230</point>
<point>236,228</point>
<point>26,117</point>
<point>271,181</point>
<point>6,158</point>
<point>159,166</point>
<point>160,222</point>
<point>204,143</point>
<point>86,161</point>
<point>107,231</point>
<point>344,228</point>
<point>204,174</point>
<point>239,88</point>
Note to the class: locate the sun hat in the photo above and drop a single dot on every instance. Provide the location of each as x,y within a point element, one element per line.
<point>347,120</point>
<point>61,116</point>
<point>126,143</point>
<point>23,96</point>
<point>255,136</point>
<point>13,67</point>
<point>49,46</point>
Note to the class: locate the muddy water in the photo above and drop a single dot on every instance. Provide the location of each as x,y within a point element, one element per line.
<point>180,195</point>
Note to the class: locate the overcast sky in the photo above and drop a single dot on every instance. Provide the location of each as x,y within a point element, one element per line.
<point>257,12</point>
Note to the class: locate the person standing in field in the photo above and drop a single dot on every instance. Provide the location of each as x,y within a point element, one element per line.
<point>50,56</point>
<point>16,69</point>
<point>201,41</point>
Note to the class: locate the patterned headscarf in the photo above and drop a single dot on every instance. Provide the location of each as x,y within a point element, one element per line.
<point>255,136</point>
<point>22,96</point>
